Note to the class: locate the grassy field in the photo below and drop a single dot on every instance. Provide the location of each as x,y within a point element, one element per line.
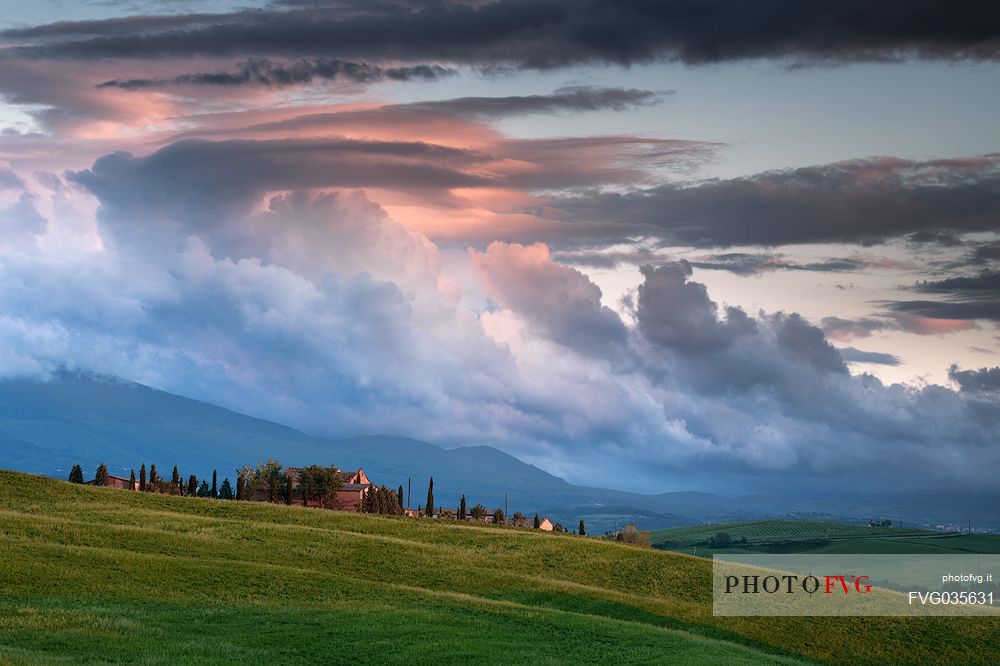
<point>819,537</point>
<point>93,575</point>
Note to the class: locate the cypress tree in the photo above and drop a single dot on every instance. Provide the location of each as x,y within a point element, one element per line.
<point>538,523</point>
<point>175,477</point>
<point>142,477</point>
<point>131,480</point>
<point>154,478</point>
<point>239,487</point>
<point>399,495</point>
<point>288,490</point>
<point>203,490</point>
<point>430,498</point>
<point>101,478</point>
<point>225,490</point>
<point>76,474</point>
<point>215,490</point>
<point>583,530</point>
<point>463,510</point>
<point>192,485</point>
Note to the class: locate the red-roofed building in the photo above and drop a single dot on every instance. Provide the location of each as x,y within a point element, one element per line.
<point>354,486</point>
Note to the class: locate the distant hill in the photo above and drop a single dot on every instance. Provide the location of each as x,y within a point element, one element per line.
<point>46,427</point>
<point>817,537</point>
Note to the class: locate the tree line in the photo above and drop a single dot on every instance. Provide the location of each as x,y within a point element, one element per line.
<point>314,485</point>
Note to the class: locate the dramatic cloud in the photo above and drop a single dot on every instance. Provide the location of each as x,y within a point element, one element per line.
<point>861,201</point>
<point>967,298</point>
<point>545,33</point>
<point>262,72</point>
<point>560,301</point>
<point>676,313</point>
<point>982,381</point>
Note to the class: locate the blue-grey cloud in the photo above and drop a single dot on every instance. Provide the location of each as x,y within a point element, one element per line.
<point>860,201</point>
<point>853,355</point>
<point>963,298</point>
<point>982,381</point>
<point>266,73</point>
<point>545,33</point>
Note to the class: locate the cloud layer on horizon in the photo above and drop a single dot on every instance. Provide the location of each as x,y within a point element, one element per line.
<point>318,310</point>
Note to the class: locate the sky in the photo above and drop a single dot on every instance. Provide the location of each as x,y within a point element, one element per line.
<point>689,244</point>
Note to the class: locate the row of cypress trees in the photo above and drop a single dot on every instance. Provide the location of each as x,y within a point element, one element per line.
<point>156,484</point>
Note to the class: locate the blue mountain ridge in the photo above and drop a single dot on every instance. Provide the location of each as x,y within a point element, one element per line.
<point>48,426</point>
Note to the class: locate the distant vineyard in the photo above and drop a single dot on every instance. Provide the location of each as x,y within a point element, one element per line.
<point>764,531</point>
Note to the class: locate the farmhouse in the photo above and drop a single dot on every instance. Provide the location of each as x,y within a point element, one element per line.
<point>354,486</point>
<point>118,482</point>
<point>545,525</point>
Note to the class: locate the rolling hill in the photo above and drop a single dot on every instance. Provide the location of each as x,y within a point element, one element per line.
<point>94,574</point>
<point>800,536</point>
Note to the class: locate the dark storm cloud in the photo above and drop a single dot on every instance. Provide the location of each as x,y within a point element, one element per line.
<point>746,263</point>
<point>852,355</point>
<point>263,72</point>
<point>548,33</point>
<point>984,380</point>
<point>678,314</point>
<point>858,201</point>
<point>965,298</point>
<point>200,180</point>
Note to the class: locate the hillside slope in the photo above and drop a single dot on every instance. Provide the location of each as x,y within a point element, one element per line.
<point>97,574</point>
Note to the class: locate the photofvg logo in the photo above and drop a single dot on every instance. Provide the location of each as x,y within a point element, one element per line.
<point>791,584</point>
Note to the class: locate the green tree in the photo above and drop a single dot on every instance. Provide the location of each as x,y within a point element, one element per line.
<point>225,490</point>
<point>519,519</point>
<point>538,523</point>
<point>399,496</point>
<point>721,540</point>
<point>583,530</point>
<point>498,517</point>
<point>430,498</point>
<point>320,484</point>
<point>215,487</point>
<point>142,477</point>
<point>131,480</point>
<point>204,490</point>
<point>463,510</point>
<point>288,489</point>
<point>154,478</point>
<point>175,477</point>
<point>76,474</point>
<point>239,487</point>
<point>101,478</point>
<point>478,512</point>
<point>630,534</point>
<point>192,489</point>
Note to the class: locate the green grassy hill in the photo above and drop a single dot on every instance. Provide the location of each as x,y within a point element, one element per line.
<point>98,575</point>
<point>821,537</point>
<point>773,530</point>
